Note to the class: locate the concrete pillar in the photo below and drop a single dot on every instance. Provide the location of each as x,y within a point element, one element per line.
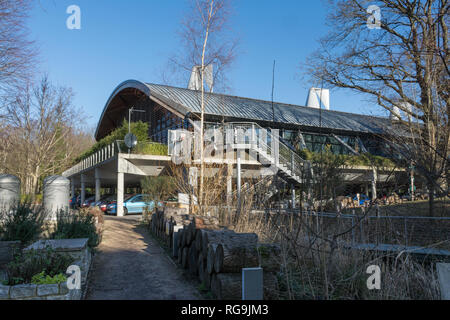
<point>367,189</point>
<point>72,185</point>
<point>374,184</point>
<point>293,196</point>
<point>238,169</point>
<point>83,189</point>
<point>120,193</point>
<point>229,183</point>
<point>97,184</point>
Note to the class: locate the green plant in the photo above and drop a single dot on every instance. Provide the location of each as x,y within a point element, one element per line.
<point>76,226</point>
<point>43,278</point>
<point>139,129</point>
<point>24,223</point>
<point>32,263</point>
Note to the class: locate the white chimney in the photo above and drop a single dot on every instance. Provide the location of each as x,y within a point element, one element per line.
<point>318,98</point>
<point>395,113</point>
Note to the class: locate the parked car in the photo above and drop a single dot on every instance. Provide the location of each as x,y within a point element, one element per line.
<point>133,205</point>
<point>106,197</point>
<point>104,201</point>
<point>88,201</point>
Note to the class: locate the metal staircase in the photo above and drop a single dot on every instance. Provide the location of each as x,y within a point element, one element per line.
<point>270,149</point>
<point>261,143</point>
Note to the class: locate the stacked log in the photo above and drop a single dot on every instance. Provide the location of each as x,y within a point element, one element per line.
<point>215,255</point>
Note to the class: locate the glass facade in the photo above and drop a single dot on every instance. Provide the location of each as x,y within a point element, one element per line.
<point>316,142</point>
<point>162,121</point>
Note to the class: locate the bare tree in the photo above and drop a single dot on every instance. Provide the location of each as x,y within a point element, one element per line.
<point>42,135</point>
<point>402,62</point>
<point>207,42</point>
<point>17,54</point>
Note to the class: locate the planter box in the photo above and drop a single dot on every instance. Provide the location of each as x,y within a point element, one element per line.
<point>39,292</point>
<point>77,249</point>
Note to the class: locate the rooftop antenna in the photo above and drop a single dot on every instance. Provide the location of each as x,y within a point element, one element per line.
<point>273,88</point>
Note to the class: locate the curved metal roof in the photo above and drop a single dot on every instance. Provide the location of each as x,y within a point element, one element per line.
<point>189,101</point>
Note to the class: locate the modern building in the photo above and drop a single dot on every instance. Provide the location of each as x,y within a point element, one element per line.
<point>170,108</point>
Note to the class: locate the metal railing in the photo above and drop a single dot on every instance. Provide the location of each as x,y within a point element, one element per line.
<point>98,157</point>
<point>254,137</point>
<point>370,229</point>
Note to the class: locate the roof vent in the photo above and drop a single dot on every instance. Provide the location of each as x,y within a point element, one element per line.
<point>318,98</point>
<point>195,82</point>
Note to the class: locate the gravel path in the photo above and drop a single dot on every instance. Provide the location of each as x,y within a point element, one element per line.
<point>130,265</point>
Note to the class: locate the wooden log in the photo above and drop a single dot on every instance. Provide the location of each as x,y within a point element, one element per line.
<point>188,238</point>
<point>236,251</point>
<point>227,286</point>
<point>185,257</point>
<point>206,278</point>
<point>200,267</point>
<point>192,264</point>
<point>180,237</point>
<point>211,255</point>
<point>213,236</point>
<point>180,255</point>
<point>198,241</point>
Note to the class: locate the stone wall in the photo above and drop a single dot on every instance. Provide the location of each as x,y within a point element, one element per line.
<point>39,292</point>
<point>78,250</point>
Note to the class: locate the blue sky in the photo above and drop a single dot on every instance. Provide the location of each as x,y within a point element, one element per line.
<point>121,40</point>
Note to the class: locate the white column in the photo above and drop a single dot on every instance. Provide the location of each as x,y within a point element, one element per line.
<point>97,184</point>
<point>374,184</point>
<point>83,189</point>
<point>238,169</point>
<point>293,196</point>
<point>229,184</point>
<point>120,190</point>
<point>72,185</point>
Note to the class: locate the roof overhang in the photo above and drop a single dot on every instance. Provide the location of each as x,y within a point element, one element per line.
<point>124,96</point>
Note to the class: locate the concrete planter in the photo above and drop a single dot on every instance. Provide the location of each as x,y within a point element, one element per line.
<point>39,292</point>
<point>78,250</point>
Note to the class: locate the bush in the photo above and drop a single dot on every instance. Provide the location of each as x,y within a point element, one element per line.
<point>22,224</point>
<point>139,129</point>
<point>30,265</point>
<point>43,278</point>
<point>76,226</point>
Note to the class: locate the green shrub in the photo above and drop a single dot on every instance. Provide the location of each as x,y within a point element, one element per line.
<point>22,224</point>
<point>76,226</point>
<point>29,265</point>
<point>43,278</point>
<point>155,149</point>
<point>139,129</point>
